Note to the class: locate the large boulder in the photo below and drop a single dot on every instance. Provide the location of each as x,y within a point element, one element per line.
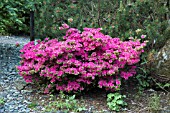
<point>161,63</point>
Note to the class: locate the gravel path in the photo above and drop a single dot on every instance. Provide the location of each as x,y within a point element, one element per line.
<point>11,83</point>
<point>14,99</point>
<point>14,40</point>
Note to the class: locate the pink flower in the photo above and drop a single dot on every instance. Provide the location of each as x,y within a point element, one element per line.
<point>102,83</point>
<point>65,26</point>
<point>143,36</point>
<point>126,75</point>
<point>61,28</point>
<point>46,39</point>
<point>117,82</point>
<point>46,91</point>
<point>28,80</point>
<point>60,73</point>
<point>17,44</point>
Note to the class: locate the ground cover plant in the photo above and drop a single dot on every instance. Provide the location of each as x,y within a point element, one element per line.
<point>115,101</point>
<point>65,103</point>
<point>81,61</point>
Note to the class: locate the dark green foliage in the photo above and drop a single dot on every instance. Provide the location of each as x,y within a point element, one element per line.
<point>14,16</point>
<point>117,18</point>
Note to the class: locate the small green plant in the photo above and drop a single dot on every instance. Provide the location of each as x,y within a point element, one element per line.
<point>163,86</point>
<point>144,81</point>
<point>115,101</point>
<point>2,101</point>
<point>166,85</point>
<point>32,105</point>
<point>154,103</point>
<point>63,102</point>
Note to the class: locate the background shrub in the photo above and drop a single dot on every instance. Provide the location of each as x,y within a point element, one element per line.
<point>14,16</point>
<point>122,18</point>
<point>118,18</point>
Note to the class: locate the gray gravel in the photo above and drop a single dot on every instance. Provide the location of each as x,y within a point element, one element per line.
<point>14,40</point>
<point>11,83</point>
<point>14,101</point>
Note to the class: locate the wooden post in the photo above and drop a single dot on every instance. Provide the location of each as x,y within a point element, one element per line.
<point>32,26</point>
<point>167,14</point>
<point>99,13</point>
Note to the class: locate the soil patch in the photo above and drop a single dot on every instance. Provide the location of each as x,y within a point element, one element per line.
<point>147,101</point>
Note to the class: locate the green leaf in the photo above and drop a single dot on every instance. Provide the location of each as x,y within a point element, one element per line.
<point>120,102</point>
<point>167,85</point>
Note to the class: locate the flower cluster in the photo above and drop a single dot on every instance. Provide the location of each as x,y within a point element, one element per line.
<point>81,60</point>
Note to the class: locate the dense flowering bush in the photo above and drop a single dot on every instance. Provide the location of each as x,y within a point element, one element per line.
<point>81,60</point>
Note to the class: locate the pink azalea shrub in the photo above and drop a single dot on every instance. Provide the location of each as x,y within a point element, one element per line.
<point>80,61</point>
